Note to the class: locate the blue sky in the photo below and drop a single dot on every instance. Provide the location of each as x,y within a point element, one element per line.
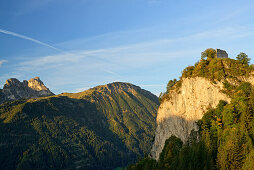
<point>76,45</point>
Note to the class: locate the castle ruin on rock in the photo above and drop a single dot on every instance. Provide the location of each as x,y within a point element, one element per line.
<point>221,53</point>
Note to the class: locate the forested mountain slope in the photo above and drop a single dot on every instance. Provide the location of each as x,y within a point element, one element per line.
<point>102,128</point>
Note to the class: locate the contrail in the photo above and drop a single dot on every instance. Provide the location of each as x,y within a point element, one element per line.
<point>29,38</point>
<point>42,43</point>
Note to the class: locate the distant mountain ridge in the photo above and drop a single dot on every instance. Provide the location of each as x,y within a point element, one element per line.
<point>105,127</point>
<point>14,89</point>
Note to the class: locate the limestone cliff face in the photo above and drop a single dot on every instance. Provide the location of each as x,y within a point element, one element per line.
<point>14,89</point>
<point>177,115</point>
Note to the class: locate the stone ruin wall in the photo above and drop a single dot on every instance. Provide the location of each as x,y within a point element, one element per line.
<point>221,53</point>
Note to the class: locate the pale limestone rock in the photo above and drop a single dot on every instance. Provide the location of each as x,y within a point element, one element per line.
<point>36,84</point>
<point>177,116</point>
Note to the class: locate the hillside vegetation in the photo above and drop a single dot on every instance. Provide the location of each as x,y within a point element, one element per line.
<point>225,139</point>
<point>101,128</point>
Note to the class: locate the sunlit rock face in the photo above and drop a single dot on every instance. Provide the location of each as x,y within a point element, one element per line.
<point>178,114</point>
<point>14,89</point>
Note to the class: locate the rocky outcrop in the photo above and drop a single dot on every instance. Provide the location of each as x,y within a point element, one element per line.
<point>14,89</point>
<point>177,115</point>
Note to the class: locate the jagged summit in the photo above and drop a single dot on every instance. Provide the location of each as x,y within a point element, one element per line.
<point>12,82</point>
<point>37,84</point>
<point>14,89</point>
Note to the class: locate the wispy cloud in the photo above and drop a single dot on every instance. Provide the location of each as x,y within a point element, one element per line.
<point>29,39</point>
<point>87,68</point>
<point>2,61</point>
<point>235,13</point>
<point>146,52</point>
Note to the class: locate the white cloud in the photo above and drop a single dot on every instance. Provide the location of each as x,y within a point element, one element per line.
<point>132,50</point>
<point>2,61</point>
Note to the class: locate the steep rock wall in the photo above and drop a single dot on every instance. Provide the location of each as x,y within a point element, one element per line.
<point>177,115</point>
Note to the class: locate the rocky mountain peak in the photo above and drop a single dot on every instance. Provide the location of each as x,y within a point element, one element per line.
<point>36,84</point>
<point>14,89</point>
<point>12,82</point>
